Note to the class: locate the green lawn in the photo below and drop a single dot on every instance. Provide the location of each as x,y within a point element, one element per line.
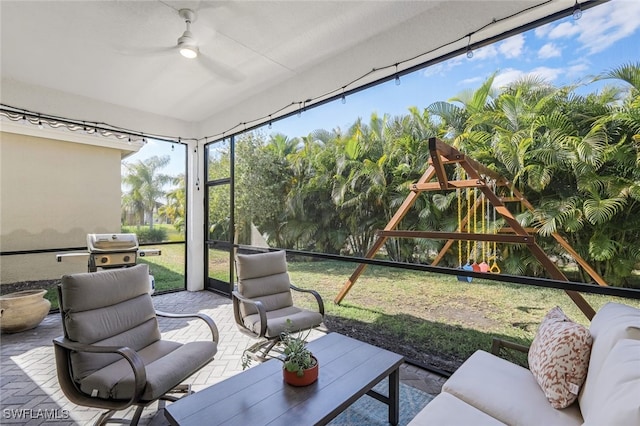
<point>438,313</point>
<point>168,268</point>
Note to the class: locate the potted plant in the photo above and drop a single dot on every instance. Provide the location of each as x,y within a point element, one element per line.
<point>299,366</point>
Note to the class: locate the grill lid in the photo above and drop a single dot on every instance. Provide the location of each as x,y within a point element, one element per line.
<point>105,243</point>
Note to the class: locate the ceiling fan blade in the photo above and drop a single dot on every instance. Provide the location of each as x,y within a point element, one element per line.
<point>147,51</point>
<point>220,69</point>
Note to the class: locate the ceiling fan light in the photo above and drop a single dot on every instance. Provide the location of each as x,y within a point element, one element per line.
<point>188,51</point>
<point>188,45</point>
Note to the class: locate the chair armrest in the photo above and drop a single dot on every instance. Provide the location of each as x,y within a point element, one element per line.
<point>131,356</point>
<point>314,293</point>
<point>206,318</point>
<point>498,344</point>
<point>262,312</point>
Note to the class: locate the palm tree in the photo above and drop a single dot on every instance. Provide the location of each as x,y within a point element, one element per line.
<point>175,207</point>
<point>145,186</point>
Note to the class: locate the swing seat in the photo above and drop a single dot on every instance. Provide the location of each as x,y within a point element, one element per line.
<point>466,267</point>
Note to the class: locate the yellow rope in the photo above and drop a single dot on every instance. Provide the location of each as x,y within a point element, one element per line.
<point>468,227</point>
<point>459,195</point>
<point>494,266</point>
<point>475,223</point>
<point>484,230</point>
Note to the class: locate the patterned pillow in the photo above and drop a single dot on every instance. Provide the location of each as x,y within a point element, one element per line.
<point>559,357</point>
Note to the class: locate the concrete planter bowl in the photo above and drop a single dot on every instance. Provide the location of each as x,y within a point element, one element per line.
<point>23,310</point>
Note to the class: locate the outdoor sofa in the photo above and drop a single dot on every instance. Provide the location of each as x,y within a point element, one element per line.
<point>488,390</point>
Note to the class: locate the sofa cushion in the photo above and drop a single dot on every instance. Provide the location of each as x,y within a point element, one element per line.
<point>559,357</point>
<point>618,387</point>
<point>447,410</point>
<point>506,392</point>
<point>612,323</point>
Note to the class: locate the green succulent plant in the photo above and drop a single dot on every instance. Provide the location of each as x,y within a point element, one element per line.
<point>297,357</point>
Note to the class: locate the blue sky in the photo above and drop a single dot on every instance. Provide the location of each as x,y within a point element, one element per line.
<point>563,52</point>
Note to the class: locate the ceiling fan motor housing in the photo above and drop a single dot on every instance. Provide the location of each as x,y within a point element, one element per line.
<point>187,42</point>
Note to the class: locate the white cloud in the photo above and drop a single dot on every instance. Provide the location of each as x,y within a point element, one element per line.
<point>600,26</point>
<point>508,76</point>
<point>485,52</point>
<point>543,31</point>
<point>546,73</point>
<point>443,67</point>
<point>564,30</point>
<point>512,47</point>
<point>470,81</point>
<point>549,50</point>
<point>604,25</point>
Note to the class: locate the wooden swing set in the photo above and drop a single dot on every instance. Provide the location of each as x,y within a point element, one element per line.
<point>474,176</point>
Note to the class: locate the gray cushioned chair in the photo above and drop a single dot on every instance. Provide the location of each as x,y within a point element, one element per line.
<point>263,303</point>
<point>112,355</point>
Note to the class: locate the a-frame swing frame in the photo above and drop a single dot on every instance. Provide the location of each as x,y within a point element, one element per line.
<point>441,154</point>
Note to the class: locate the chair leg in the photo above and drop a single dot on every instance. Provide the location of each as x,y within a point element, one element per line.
<point>136,416</point>
<point>259,352</point>
<point>107,417</point>
<point>183,388</point>
<point>104,417</point>
<point>267,348</point>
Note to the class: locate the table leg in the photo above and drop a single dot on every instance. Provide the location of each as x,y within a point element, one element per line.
<point>394,397</point>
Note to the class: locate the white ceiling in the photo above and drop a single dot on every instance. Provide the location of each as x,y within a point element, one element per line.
<point>110,61</point>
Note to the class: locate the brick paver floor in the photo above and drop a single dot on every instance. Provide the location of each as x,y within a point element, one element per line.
<point>29,391</point>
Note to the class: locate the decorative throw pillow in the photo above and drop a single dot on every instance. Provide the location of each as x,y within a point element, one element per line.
<point>559,357</point>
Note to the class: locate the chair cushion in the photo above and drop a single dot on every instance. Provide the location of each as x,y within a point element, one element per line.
<point>447,410</point>
<point>618,387</point>
<point>261,264</point>
<point>85,363</point>
<point>263,277</point>
<point>559,357</point>
<point>110,308</point>
<point>167,364</point>
<point>301,319</point>
<point>612,323</point>
<point>506,392</point>
<point>107,287</point>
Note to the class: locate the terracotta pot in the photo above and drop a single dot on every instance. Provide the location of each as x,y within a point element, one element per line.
<point>310,375</point>
<point>23,310</point>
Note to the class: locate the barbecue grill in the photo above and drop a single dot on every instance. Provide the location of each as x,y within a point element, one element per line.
<point>112,250</point>
<point>107,251</point>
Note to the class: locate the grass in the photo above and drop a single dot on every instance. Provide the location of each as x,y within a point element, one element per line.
<point>168,268</point>
<point>437,313</point>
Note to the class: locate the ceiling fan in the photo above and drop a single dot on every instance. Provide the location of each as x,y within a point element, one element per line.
<point>188,46</point>
<point>187,43</point>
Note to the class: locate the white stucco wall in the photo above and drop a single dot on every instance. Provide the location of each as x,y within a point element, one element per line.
<point>52,194</point>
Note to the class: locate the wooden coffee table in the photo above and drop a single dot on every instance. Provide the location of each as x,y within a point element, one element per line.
<point>349,369</point>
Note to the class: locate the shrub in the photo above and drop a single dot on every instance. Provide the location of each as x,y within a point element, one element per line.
<point>146,234</point>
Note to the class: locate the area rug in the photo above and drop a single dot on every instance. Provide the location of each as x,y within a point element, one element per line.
<point>368,411</point>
